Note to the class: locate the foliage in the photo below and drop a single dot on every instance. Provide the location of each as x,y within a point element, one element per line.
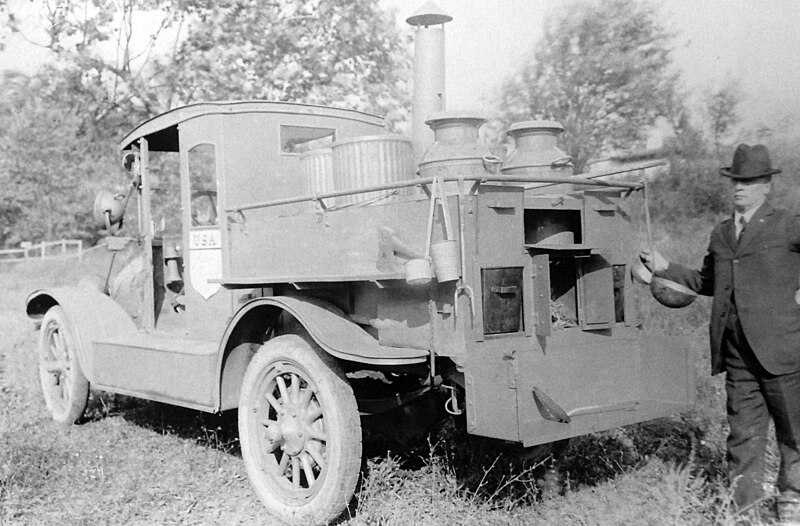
<point>107,53</point>
<point>720,108</point>
<point>315,51</point>
<point>168,53</point>
<point>601,69</point>
<point>692,189</point>
<point>47,172</point>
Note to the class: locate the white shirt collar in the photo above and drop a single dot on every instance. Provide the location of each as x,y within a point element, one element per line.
<point>737,224</point>
<point>747,216</point>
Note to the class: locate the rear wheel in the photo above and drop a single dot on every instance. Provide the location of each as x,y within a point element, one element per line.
<point>65,388</point>
<point>300,431</point>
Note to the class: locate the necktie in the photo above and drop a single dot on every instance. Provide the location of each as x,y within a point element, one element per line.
<point>742,226</point>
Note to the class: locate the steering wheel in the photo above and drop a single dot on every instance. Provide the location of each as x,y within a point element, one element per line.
<point>204,208</point>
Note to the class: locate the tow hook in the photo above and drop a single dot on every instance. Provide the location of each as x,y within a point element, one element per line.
<point>451,404</point>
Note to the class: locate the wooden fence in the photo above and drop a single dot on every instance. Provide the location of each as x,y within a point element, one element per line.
<point>65,248</point>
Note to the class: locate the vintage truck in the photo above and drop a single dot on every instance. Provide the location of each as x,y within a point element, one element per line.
<point>278,255</point>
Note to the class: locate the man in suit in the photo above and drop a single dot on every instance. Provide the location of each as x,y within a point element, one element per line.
<point>752,269</point>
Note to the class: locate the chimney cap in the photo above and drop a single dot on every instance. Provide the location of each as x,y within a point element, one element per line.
<point>429,14</point>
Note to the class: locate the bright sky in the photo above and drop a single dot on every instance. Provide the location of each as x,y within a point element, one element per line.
<point>755,41</point>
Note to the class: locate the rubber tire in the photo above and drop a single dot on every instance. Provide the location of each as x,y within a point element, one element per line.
<point>332,489</point>
<point>66,393</point>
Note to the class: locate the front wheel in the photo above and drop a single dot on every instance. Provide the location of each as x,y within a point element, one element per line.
<point>300,431</point>
<point>65,388</point>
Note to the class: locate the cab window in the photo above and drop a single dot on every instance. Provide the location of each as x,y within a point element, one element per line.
<point>299,139</point>
<point>203,185</point>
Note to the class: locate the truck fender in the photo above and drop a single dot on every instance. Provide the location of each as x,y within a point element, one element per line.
<point>326,325</point>
<point>91,314</point>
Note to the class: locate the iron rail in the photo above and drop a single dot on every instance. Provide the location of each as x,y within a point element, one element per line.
<point>587,179</point>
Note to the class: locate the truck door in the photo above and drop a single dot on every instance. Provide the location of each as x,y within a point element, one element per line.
<point>207,304</point>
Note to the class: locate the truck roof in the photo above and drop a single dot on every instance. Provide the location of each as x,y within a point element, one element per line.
<point>162,130</point>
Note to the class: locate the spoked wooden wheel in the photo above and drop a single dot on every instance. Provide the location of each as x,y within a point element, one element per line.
<point>300,431</point>
<point>65,388</point>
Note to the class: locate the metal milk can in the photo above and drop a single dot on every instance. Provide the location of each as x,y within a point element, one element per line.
<point>536,152</point>
<point>457,149</point>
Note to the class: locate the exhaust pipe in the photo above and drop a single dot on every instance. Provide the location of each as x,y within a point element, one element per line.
<point>428,73</point>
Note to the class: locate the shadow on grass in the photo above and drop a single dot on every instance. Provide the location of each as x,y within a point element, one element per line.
<point>490,471</point>
<point>501,474</point>
<point>679,440</point>
<point>215,431</point>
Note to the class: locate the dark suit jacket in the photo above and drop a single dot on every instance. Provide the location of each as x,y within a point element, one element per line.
<point>762,272</point>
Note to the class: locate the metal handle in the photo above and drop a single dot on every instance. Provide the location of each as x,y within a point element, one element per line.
<point>510,289</point>
<point>562,162</point>
<point>491,163</point>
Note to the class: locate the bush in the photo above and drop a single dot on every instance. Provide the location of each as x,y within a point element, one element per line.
<point>692,188</point>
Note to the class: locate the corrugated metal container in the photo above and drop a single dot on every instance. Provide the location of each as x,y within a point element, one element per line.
<point>371,160</point>
<point>316,172</point>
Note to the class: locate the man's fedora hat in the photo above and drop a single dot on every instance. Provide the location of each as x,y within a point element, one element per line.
<point>750,162</point>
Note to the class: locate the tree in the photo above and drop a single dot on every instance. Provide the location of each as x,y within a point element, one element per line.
<point>48,174</point>
<point>143,57</point>
<point>320,51</point>
<point>601,69</point>
<point>720,110</point>
<point>104,53</point>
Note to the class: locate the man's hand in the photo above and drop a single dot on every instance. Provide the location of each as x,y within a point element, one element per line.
<point>654,261</point>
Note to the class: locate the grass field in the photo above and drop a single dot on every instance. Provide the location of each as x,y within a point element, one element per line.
<point>135,462</point>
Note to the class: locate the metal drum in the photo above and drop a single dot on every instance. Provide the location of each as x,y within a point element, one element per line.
<point>536,152</point>
<point>457,149</point>
<point>316,172</point>
<point>372,160</point>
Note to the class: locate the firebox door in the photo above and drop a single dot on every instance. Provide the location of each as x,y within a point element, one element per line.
<point>502,300</point>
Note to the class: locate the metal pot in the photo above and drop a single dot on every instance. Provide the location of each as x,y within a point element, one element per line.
<point>671,294</point>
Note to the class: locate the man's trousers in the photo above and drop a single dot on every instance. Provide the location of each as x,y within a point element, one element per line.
<point>755,396</point>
